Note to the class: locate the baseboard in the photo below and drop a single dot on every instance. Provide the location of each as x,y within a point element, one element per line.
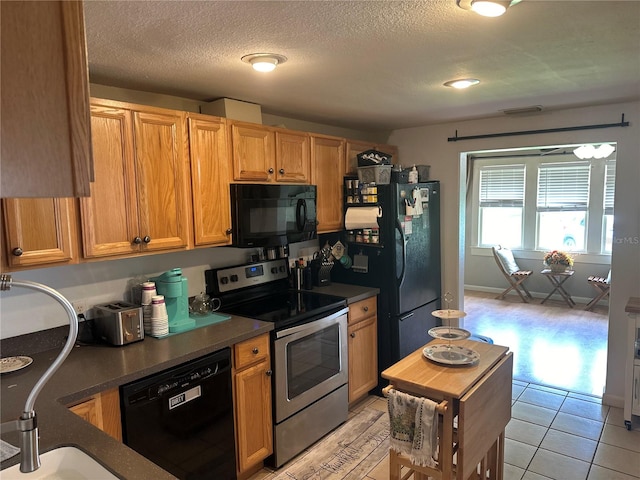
<point>498,291</point>
<point>613,400</point>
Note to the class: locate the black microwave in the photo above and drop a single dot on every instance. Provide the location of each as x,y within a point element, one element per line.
<point>272,215</point>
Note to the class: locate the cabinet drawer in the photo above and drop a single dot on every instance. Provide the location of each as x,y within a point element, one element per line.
<point>362,309</point>
<point>251,351</point>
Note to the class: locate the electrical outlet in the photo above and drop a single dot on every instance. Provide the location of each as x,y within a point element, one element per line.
<point>80,306</point>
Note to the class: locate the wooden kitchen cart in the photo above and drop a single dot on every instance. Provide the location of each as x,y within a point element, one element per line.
<point>478,397</point>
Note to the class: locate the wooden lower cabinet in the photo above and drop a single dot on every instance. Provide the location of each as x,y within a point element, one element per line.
<point>252,404</point>
<point>363,348</point>
<point>103,411</point>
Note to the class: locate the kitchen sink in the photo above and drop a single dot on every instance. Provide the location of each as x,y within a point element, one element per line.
<point>68,463</point>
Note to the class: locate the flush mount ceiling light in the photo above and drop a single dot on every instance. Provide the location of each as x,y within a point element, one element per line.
<point>462,83</point>
<point>264,62</point>
<point>487,8</point>
<point>586,152</point>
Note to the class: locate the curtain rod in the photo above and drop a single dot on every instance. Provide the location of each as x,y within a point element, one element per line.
<point>547,130</point>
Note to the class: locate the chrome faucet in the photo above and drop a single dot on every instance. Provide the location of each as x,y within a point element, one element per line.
<point>26,424</point>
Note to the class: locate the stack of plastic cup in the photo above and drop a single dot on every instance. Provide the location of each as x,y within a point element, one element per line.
<point>148,292</point>
<point>159,317</point>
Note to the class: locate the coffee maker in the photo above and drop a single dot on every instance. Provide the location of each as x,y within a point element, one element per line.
<point>173,286</point>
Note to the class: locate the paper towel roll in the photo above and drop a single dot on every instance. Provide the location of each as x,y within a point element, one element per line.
<point>362,217</point>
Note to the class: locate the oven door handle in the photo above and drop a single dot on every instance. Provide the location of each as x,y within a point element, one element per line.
<point>313,325</point>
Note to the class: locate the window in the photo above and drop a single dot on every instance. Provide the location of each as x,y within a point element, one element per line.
<point>562,204</point>
<point>501,202</point>
<point>543,201</point>
<point>609,191</point>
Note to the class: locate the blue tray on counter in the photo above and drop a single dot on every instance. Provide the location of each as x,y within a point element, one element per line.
<point>200,321</point>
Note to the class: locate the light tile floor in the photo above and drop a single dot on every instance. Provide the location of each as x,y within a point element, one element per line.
<point>553,434</point>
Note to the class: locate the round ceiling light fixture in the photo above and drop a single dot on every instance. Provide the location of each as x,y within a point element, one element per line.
<point>487,8</point>
<point>264,62</point>
<point>462,83</point>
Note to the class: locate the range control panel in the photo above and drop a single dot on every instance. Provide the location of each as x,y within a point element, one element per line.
<point>234,278</point>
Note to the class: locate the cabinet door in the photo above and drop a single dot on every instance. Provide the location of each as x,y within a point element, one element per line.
<point>292,157</point>
<point>635,394</point>
<point>161,179</point>
<point>363,358</point>
<point>253,415</point>
<point>209,180</point>
<point>38,231</point>
<point>327,172</point>
<point>110,216</point>
<point>353,149</point>
<point>46,143</point>
<point>253,152</point>
<point>103,411</point>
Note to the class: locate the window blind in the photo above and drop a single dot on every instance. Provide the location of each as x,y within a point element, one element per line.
<point>609,187</point>
<point>563,186</point>
<point>502,186</point>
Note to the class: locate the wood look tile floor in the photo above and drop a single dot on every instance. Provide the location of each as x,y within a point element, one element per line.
<point>553,434</point>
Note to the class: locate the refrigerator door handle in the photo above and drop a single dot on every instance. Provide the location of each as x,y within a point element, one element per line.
<point>404,317</point>
<point>404,251</point>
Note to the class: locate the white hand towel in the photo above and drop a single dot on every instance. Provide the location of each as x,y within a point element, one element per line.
<point>413,422</point>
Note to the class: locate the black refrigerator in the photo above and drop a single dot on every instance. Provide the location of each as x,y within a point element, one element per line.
<point>404,262</point>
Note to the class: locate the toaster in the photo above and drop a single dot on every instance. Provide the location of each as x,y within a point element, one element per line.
<point>118,323</point>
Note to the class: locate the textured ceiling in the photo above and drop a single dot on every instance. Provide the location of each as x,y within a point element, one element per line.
<point>375,65</point>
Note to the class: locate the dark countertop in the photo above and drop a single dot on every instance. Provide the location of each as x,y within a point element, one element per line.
<point>96,368</point>
<point>353,293</point>
<point>92,369</point>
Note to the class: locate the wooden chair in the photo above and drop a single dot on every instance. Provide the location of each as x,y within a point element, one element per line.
<point>509,268</point>
<point>602,285</point>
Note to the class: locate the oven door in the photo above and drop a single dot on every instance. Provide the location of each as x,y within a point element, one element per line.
<point>272,215</point>
<point>310,362</point>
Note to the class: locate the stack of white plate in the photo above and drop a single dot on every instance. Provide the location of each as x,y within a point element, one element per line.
<point>159,317</point>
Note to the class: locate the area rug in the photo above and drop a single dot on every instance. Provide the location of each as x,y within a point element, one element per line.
<point>348,453</point>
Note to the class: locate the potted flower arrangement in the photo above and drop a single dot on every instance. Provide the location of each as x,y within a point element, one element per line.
<point>558,261</point>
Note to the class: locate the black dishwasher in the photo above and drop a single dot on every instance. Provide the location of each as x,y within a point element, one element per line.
<point>182,418</point>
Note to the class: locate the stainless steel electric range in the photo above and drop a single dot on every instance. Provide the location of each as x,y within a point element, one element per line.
<point>308,346</point>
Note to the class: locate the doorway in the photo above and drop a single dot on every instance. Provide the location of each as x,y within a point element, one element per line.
<point>532,200</point>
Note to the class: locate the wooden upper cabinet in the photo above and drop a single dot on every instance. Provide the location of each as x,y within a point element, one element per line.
<point>210,167</point>
<point>162,177</point>
<point>269,154</point>
<point>46,149</point>
<point>139,198</point>
<point>39,231</point>
<point>253,152</point>
<point>327,172</point>
<point>354,147</point>
<point>292,156</point>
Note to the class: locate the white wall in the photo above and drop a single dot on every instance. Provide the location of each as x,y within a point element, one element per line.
<point>429,145</point>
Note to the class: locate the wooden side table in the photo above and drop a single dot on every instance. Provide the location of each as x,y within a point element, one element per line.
<point>557,279</point>
<point>479,396</point>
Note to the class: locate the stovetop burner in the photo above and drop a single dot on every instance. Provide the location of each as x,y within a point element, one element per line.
<point>260,291</point>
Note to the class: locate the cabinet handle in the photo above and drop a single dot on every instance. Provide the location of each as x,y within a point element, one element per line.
<point>271,170</point>
<point>353,335</point>
<point>228,231</point>
<point>137,240</point>
<point>366,309</point>
<point>17,251</point>
<point>282,171</point>
<point>146,239</point>
<point>255,350</point>
<point>635,388</point>
<point>268,373</point>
